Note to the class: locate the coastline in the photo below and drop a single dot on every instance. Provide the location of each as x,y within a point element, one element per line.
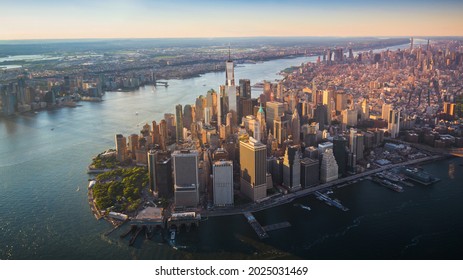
<point>282,199</point>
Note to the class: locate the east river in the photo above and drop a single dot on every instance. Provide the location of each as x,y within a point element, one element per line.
<point>44,212</point>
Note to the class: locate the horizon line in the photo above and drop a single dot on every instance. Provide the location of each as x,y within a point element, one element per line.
<point>237,37</point>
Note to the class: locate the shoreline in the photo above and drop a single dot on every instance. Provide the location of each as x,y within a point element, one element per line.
<point>282,199</point>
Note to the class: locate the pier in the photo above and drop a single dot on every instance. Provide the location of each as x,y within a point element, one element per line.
<point>261,233</point>
<point>332,202</point>
<point>276,226</point>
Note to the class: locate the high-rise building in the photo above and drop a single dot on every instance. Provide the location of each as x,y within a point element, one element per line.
<point>163,135</point>
<point>321,116</point>
<point>449,108</point>
<point>121,147</point>
<point>199,110</point>
<point>310,172</point>
<point>187,116</point>
<point>292,167</point>
<point>280,130</point>
<point>163,174</point>
<point>328,167</point>
<point>296,128</point>
<point>133,144</point>
<point>365,109</point>
<point>178,123</point>
<point>356,144</point>
<point>229,71</point>
<point>327,98</point>
<point>253,166</point>
<point>155,133</point>
<point>222,172</point>
<point>393,123</point>
<point>340,152</point>
<point>274,110</point>
<point>349,117</point>
<point>341,101</point>
<point>245,88</point>
<point>152,158</point>
<point>385,111</point>
<point>261,119</point>
<point>207,116</point>
<point>186,178</point>
<point>245,108</point>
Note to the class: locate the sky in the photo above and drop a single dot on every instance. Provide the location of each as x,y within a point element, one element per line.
<point>60,19</point>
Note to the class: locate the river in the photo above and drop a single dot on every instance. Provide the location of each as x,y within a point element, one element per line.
<point>44,213</point>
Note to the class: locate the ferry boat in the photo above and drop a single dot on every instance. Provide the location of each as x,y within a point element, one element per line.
<point>305,207</point>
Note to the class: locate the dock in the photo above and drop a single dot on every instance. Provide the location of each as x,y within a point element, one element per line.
<point>276,226</point>
<point>332,202</point>
<point>260,231</point>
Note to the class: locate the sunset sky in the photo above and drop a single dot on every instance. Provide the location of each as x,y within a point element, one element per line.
<point>53,19</point>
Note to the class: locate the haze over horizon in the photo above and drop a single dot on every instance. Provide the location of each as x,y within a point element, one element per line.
<point>105,19</point>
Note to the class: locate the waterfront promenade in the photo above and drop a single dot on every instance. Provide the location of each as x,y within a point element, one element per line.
<point>281,199</point>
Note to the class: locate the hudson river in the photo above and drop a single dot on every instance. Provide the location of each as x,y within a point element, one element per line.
<point>44,213</point>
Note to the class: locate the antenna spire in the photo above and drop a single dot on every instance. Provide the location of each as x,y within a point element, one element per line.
<point>229,52</point>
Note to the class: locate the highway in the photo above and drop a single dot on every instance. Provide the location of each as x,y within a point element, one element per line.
<point>281,199</point>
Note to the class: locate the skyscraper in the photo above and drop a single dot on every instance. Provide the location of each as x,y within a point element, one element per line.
<point>329,167</point>
<point>365,109</point>
<point>263,125</point>
<point>199,110</point>
<point>152,170</point>
<point>296,128</point>
<point>229,71</point>
<point>179,123</point>
<point>186,178</point>
<point>187,116</point>
<point>320,115</point>
<point>121,148</point>
<point>341,101</point>
<point>292,167</point>
<point>163,135</point>
<point>327,97</point>
<point>253,166</point>
<point>163,174</point>
<point>155,133</point>
<point>340,154</point>
<point>273,111</point>
<point>133,145</point>
<point>245,88</point>
<point>222,183</point>
<point>280,130</point>
<point>393,123</point>
<point>310,172</point>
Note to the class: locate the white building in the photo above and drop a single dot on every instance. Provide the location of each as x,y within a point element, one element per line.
<point>329,167</point>
<point>223,183</point>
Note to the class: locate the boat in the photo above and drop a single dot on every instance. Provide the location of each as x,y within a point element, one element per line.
<point>305,207</point>
<point>78,189</point>
<point>388,184</point>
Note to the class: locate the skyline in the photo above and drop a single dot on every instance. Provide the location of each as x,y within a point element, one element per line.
<point>104,19</point>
